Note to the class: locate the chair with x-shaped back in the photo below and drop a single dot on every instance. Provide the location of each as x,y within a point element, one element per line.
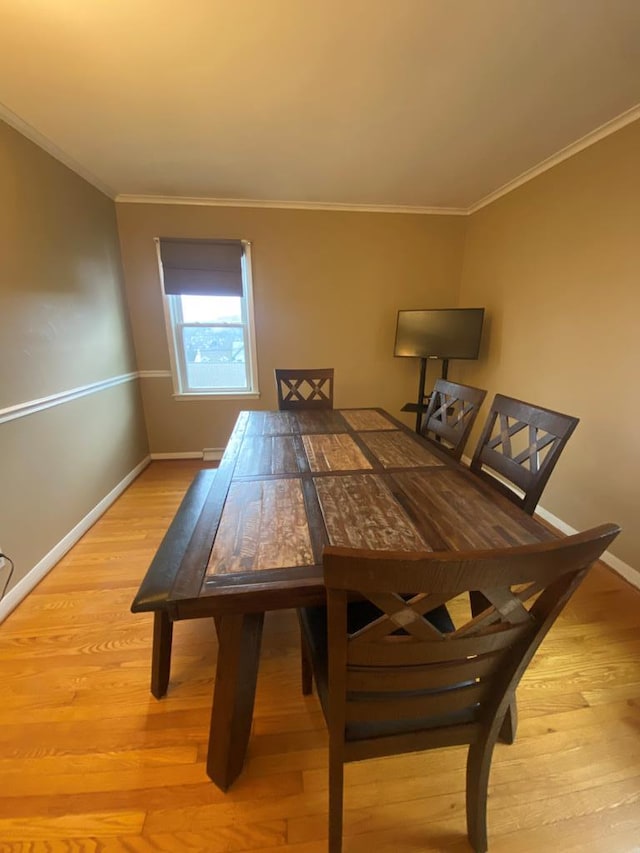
<point>452,411</point>
<point>305,389</point>
<point>399,684</point>
<point>521,443</point>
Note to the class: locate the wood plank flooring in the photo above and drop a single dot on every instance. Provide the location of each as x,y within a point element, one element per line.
<point>89,761</point>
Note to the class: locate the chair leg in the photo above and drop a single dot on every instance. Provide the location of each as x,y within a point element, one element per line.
<point>478,768</point>
<point>509,726</point>
<point>336,793</point>
<point>306,668</point>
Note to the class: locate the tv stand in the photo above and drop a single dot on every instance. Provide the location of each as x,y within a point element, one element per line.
<point>422,403</point>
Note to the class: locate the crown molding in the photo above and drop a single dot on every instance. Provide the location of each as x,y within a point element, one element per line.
<point>126,198</point>
<point>591,138</point>
<point>586,141</point>
<point>51,148</point>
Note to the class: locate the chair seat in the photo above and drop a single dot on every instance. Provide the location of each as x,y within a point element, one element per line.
<point>313,621</point>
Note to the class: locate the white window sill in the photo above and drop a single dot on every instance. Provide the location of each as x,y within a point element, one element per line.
<point>233,395</point>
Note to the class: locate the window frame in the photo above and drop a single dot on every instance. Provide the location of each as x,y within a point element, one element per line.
<point>174,323</point>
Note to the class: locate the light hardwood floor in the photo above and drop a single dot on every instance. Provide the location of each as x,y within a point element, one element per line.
<point>89,761</point>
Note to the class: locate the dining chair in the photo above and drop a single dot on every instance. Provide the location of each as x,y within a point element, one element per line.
<point>305,389</point>
<point>450,415</point>
<point>398,684</point>
<point>521,443</point>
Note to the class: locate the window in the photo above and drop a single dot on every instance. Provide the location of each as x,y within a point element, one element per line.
<point>209,314</point>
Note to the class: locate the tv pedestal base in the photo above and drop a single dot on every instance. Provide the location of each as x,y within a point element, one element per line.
<point>420,407</point>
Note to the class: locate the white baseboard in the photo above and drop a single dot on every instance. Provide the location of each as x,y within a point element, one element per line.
<point>189,454</point>
<point>623,569</point>
<point>24,586</point>
<point>212,454</point>
<point>208,454</point>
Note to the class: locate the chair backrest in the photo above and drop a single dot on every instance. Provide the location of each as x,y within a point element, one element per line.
<point>398,684</point>
<point>522,444</point>
<point>305,389</point>
<point>451,414</point>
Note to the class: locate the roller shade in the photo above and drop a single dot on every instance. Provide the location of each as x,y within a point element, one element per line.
<point>201,267</point>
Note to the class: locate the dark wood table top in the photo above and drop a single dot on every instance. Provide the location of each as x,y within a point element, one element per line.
<point>249,535</point>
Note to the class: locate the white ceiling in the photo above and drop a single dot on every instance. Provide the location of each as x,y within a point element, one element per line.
<point>404,103</point>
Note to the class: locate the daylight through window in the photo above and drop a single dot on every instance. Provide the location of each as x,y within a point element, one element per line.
<point>209,310</point>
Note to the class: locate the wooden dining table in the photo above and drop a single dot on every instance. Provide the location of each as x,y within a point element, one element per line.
<point>248,536</point>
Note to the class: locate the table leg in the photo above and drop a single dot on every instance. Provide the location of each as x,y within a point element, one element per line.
<point>161,653</point>
<point>240,637</point>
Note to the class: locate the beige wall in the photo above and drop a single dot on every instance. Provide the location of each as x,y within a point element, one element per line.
<point>63,324</point>
<point>556,263</point>
<point>327,287</point>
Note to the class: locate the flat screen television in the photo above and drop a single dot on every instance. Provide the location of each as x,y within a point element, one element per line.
<point>439,333</point>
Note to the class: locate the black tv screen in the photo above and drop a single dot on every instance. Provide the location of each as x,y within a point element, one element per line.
<point>439,333</point>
